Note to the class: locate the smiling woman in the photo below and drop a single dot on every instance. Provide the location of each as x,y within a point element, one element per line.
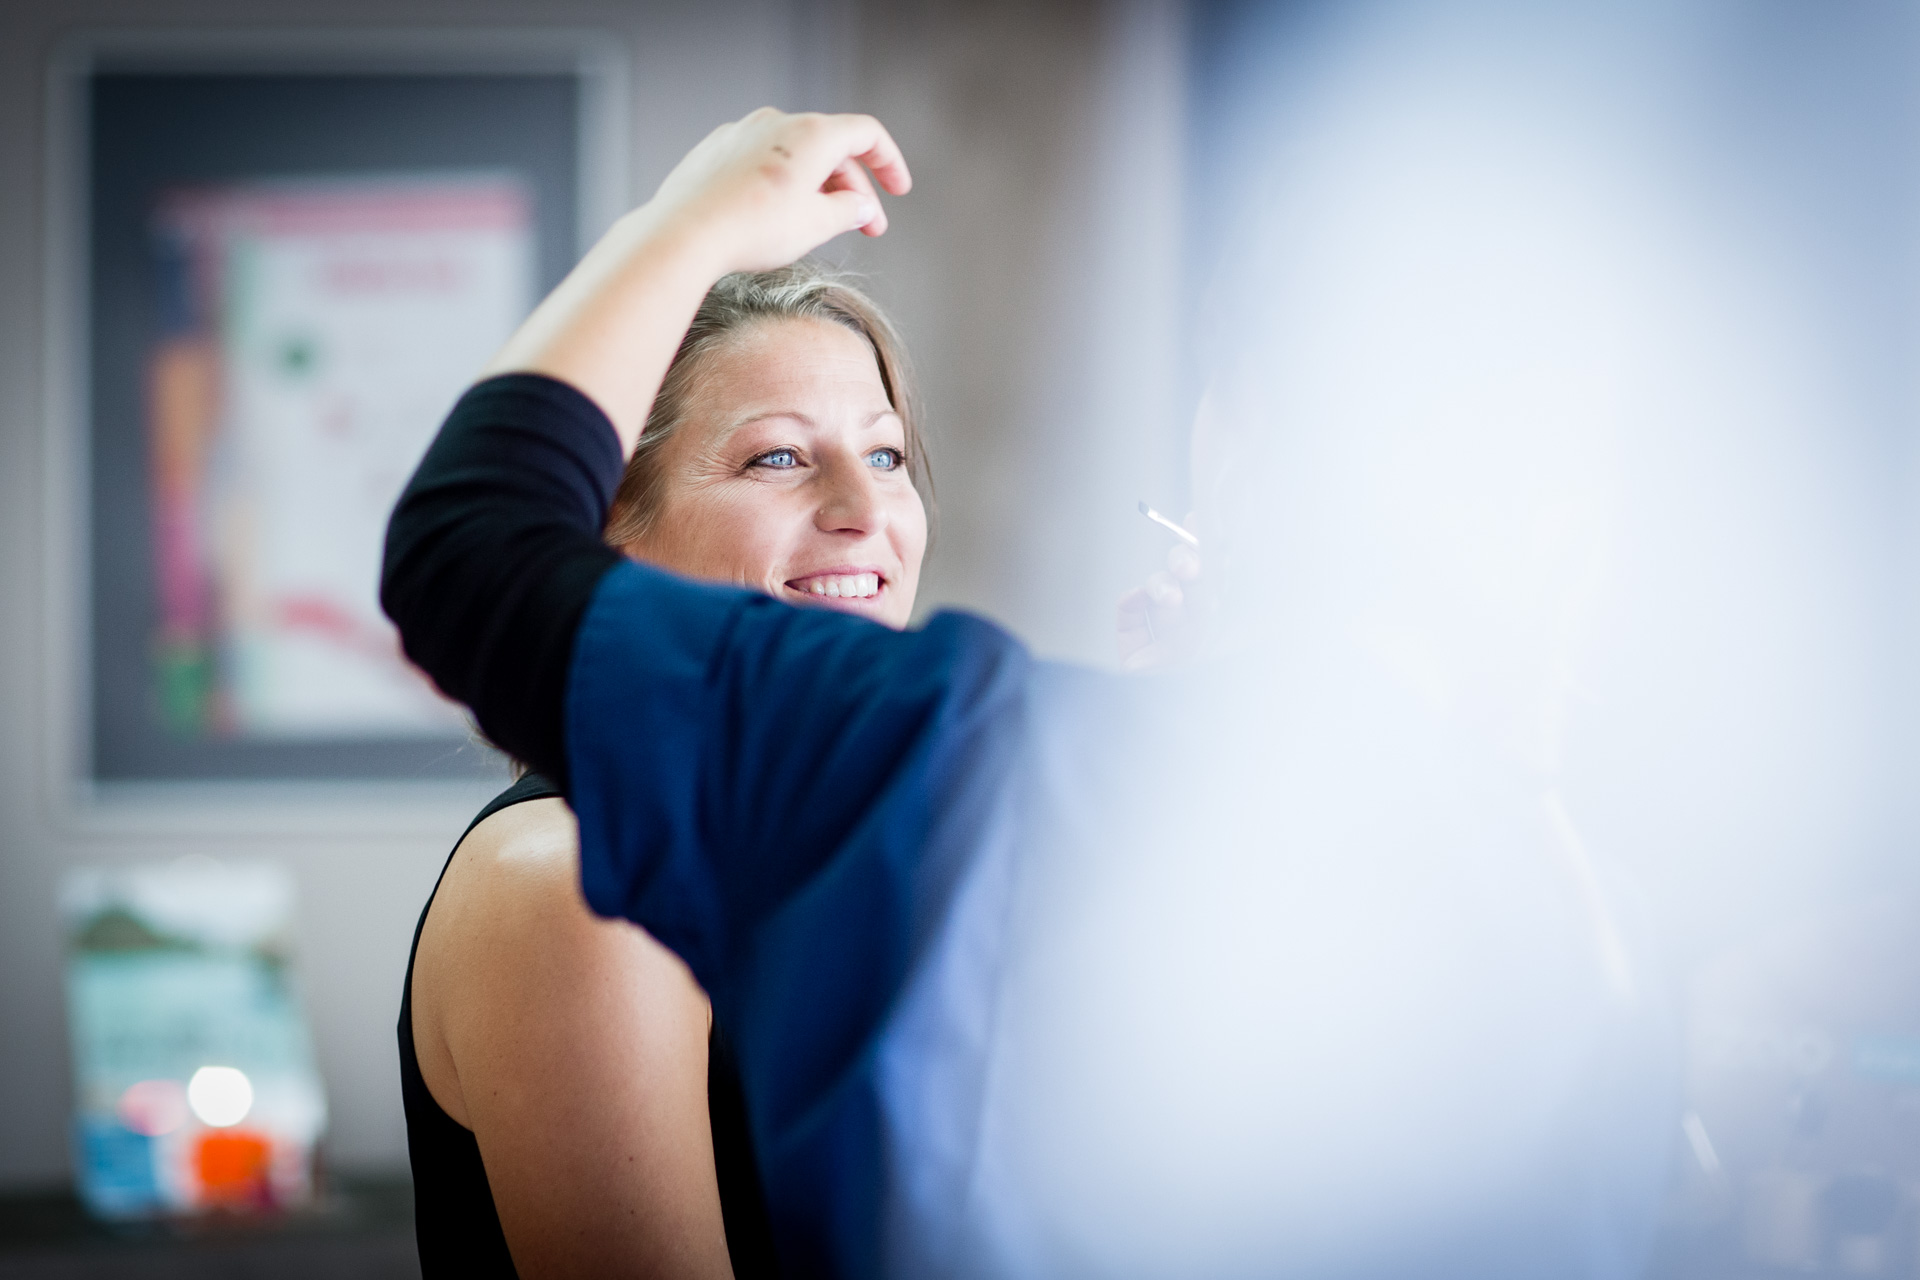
<point>784,452</point>
<point>568,1109</point>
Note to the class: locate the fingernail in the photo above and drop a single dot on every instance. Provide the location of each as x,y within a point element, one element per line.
<point>868,212</point>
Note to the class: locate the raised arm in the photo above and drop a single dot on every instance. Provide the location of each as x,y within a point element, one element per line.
<point>494,549</point>
<point>754,195</point>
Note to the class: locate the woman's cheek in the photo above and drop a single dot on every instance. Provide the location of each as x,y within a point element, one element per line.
<point>770,540</point>
<point>912,520</point>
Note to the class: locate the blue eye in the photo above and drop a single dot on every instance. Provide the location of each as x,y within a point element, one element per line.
<point>781,458</point>
<point>885,459</point>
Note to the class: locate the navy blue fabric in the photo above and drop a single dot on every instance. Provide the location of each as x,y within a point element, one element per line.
<point>785,797</point>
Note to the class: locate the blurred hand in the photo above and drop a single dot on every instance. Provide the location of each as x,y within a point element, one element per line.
<point>1162,621</point>
<point>769,188</point>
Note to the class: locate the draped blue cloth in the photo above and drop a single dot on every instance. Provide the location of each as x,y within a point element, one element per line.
<point>870,845</point>
<point>787,798</point>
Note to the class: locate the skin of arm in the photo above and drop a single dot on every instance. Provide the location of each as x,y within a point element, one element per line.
<point>754,195</point>
<point>552,1015</point>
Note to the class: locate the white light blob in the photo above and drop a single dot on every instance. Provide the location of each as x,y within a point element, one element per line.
<point>220,1096</point>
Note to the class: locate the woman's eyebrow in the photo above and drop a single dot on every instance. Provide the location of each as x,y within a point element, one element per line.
<point>752,418</point>
<point>803,419</point>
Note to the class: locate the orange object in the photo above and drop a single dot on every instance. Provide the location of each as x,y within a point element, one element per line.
<point>233,1165</point>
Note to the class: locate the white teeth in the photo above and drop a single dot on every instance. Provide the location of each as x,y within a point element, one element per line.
<point>851,585</point>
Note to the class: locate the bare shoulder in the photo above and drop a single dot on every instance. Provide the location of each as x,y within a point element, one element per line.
<point>519,866</point>
<point>575,1049</point>
<point>511,958</point>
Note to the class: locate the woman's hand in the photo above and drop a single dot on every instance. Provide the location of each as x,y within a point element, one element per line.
<point>1161,622</point>
<point>767,189</point>
<point>756,194</point>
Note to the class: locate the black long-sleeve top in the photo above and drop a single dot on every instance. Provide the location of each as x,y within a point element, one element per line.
<point>494,550</point>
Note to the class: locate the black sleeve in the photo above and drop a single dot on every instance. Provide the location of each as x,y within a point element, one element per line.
<point>494,550</point>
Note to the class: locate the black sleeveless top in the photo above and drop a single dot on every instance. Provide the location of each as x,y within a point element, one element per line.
<point>456,1225</point>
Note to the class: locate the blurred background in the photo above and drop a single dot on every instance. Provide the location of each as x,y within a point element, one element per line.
<point>1692,223</point>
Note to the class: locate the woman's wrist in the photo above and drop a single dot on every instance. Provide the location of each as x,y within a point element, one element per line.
<point>674,240</point>
<point>610,329</point>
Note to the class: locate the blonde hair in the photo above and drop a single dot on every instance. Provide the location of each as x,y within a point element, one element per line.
<point>804,291</point>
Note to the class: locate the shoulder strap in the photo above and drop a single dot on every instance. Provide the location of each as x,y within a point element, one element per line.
<point>531,786</point>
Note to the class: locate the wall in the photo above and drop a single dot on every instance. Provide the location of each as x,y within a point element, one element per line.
<point>1044,139</point>
<point>1036,275</point>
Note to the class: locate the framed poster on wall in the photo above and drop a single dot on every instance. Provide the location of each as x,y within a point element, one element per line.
<point>284,259</point>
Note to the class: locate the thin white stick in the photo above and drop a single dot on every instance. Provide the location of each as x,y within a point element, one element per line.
<point>1169,526</point>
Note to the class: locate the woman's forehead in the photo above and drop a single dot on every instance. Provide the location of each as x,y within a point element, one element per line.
<point>796,350</point>
<point>814,370</point>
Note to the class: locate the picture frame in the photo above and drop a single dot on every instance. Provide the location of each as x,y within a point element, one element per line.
<point>383,122</point>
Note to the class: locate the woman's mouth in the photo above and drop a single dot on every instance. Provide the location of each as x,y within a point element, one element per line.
<point>852,584</point>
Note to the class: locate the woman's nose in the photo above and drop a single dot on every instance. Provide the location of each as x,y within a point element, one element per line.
<point>850,503</point>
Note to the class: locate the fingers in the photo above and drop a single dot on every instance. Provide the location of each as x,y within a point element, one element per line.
<point>849,176</point>
<point>849,211</point>
<point>1133,628</point>
<point>865,139</point>
<point>1162,620</point>
<point>850,142</point>
<point>842,145</point>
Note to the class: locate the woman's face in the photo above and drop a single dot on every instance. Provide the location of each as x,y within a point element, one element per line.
<point>788,473</point>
